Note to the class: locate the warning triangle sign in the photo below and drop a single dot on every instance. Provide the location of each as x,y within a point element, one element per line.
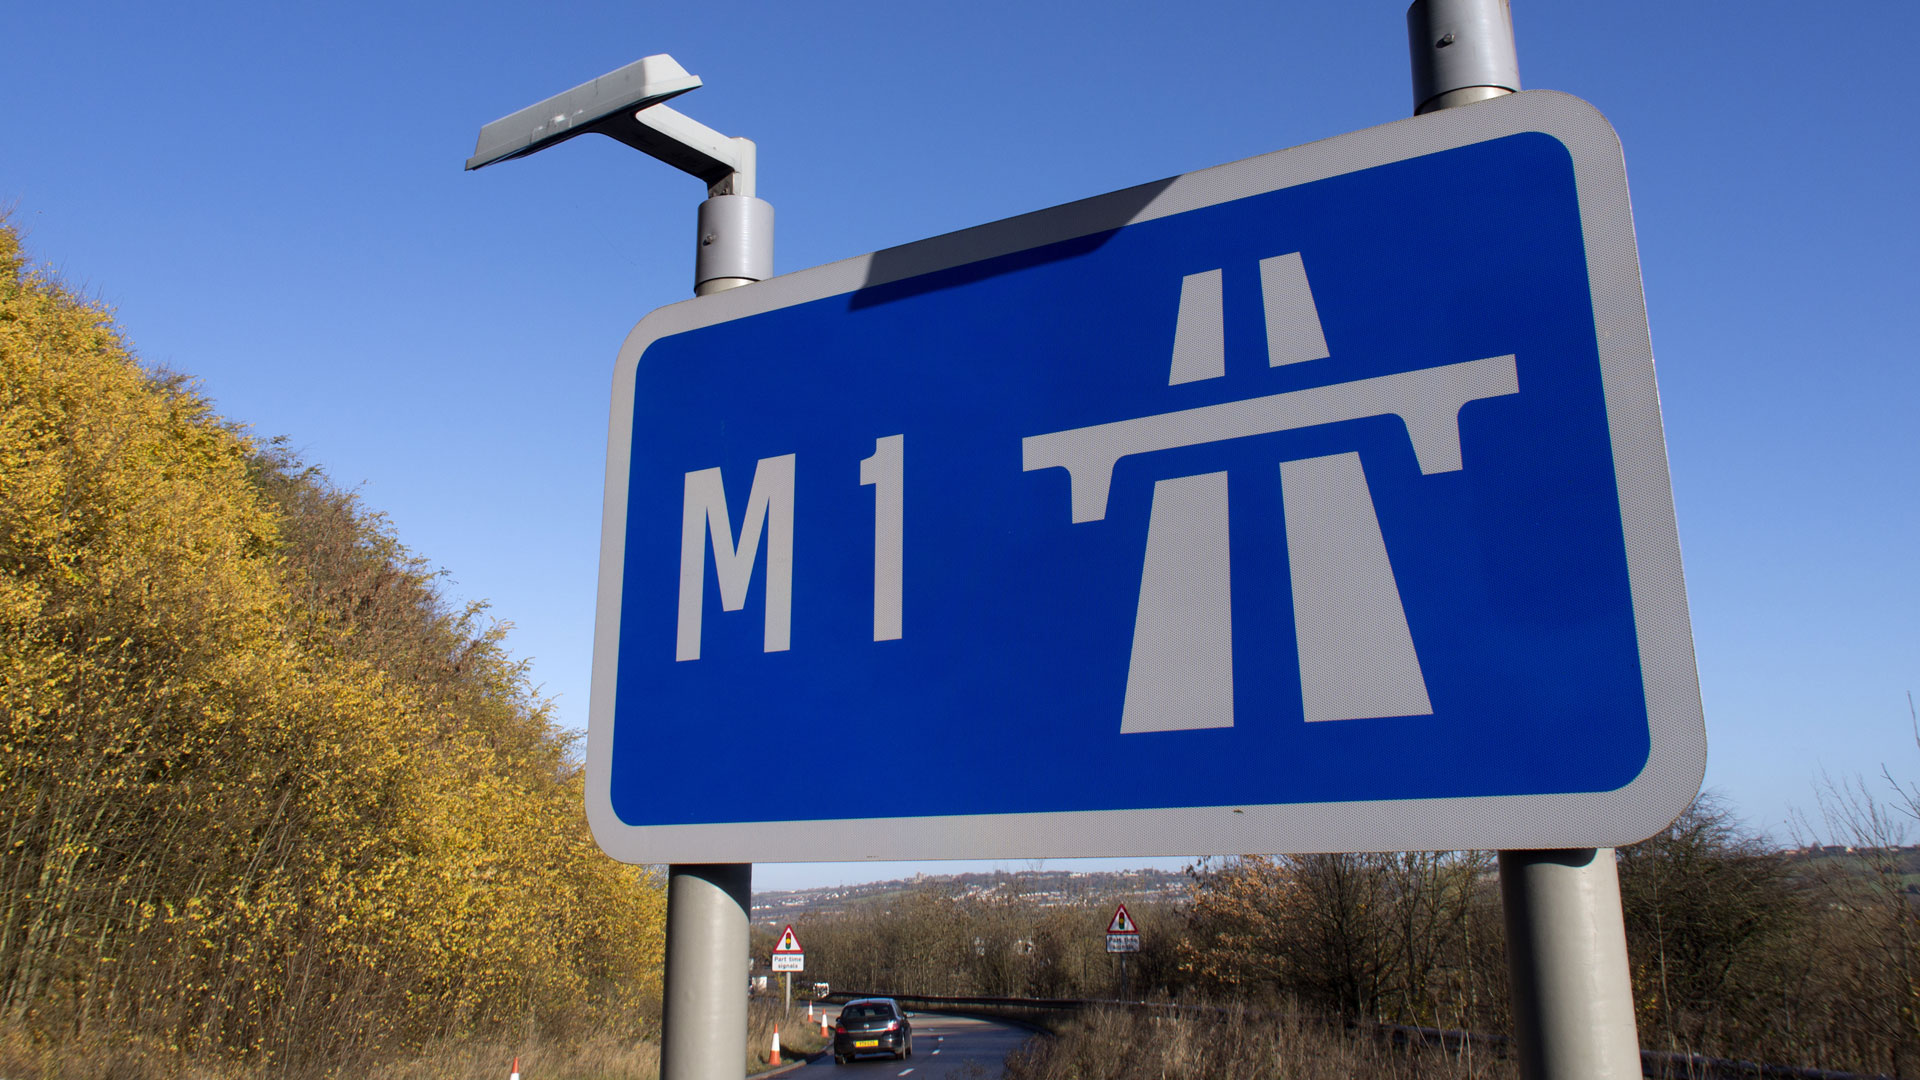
<point>1122,922</point>
<point>789,943</point>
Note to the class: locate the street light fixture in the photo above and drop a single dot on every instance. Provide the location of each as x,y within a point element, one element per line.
<point>735,244</point>
<point>706,1010</point>
<point>605,104</point>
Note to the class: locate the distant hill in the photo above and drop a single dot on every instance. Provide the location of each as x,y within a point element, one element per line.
<point>1060,888</point>
<point>1042,888</point>
<point>1825,859</point>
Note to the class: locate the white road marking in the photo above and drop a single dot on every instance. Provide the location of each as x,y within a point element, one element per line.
<point>904,1072</point>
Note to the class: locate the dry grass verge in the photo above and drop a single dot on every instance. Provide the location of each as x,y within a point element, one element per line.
<point>799,1037</point>
<point>106,1058</point>
<point>605,1057</point>
<point>1119,1045</point>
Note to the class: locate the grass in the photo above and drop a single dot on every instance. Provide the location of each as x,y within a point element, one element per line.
<point>605,1057</point>
<point>799,1037</point>
<point>600,1057</point>
<point>1120,1045</point>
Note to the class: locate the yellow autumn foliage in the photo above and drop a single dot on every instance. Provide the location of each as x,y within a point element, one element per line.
<point>262,794</point>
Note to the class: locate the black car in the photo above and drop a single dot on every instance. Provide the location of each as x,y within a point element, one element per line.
<point>871,1026</point>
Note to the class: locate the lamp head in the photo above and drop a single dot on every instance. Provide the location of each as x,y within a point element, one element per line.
<point>608,100</point>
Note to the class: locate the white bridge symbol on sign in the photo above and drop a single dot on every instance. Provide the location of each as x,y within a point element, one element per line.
<point>1356,654</point>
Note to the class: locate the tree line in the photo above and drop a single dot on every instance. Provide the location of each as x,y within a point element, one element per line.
<point>265,796</point>
<point>1737,948</point>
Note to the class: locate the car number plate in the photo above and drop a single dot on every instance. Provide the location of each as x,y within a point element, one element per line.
<point>866,1042</point>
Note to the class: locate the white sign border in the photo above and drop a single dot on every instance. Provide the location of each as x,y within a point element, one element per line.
<point>1677,757</point>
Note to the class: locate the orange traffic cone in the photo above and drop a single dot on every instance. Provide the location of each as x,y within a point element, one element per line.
<point>774,1058</point>
<point>515,1074</point>
<point>825,1031</point>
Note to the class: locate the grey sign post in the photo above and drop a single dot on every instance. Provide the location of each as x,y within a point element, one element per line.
<point>707,903</point>
<point>1123,937</point>
<point>1566,938</point>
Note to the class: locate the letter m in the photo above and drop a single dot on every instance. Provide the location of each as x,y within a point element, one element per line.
<point>704,513</point>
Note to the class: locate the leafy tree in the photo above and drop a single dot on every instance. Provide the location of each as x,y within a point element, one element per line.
<point>1707,908</point>
<point>262,795</point>
<point>1868,925</point>
<point>1360,935</point>
<point>1239,922</point>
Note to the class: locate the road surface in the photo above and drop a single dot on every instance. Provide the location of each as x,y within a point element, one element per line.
<point>944,1048</point>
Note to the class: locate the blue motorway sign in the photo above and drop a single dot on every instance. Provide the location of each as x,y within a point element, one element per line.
<point>1313,502</point>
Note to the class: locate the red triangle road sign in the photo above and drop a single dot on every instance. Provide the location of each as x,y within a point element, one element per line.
<point>788,943</point>
<point>1122,922</point>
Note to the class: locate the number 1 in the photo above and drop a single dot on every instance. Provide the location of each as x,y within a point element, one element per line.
<point>886,472</point>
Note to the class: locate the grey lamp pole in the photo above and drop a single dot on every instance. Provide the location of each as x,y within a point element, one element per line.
<point>707,904</point>
<point>1566,939</point>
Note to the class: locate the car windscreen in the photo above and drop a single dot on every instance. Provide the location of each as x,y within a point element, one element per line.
<point>866,1012</point>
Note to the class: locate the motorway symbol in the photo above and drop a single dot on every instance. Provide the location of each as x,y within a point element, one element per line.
<point>1316,502</point>
<point>1356,655</point>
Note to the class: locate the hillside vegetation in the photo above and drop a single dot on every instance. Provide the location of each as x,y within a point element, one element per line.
<point>265,799</point>
<point>1738,949</point>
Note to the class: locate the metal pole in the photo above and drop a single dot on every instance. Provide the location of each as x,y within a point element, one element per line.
<point>1462,52</point>
<point>705,1017</point>
<point>1566,939</point>
<point>706,986</point>
<point>736,243</point>
<point>735,231</point>
<point>707,904</point>
<point>1567,961</point>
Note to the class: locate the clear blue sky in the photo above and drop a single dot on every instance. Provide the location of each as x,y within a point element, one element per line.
<point>271,196</point>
